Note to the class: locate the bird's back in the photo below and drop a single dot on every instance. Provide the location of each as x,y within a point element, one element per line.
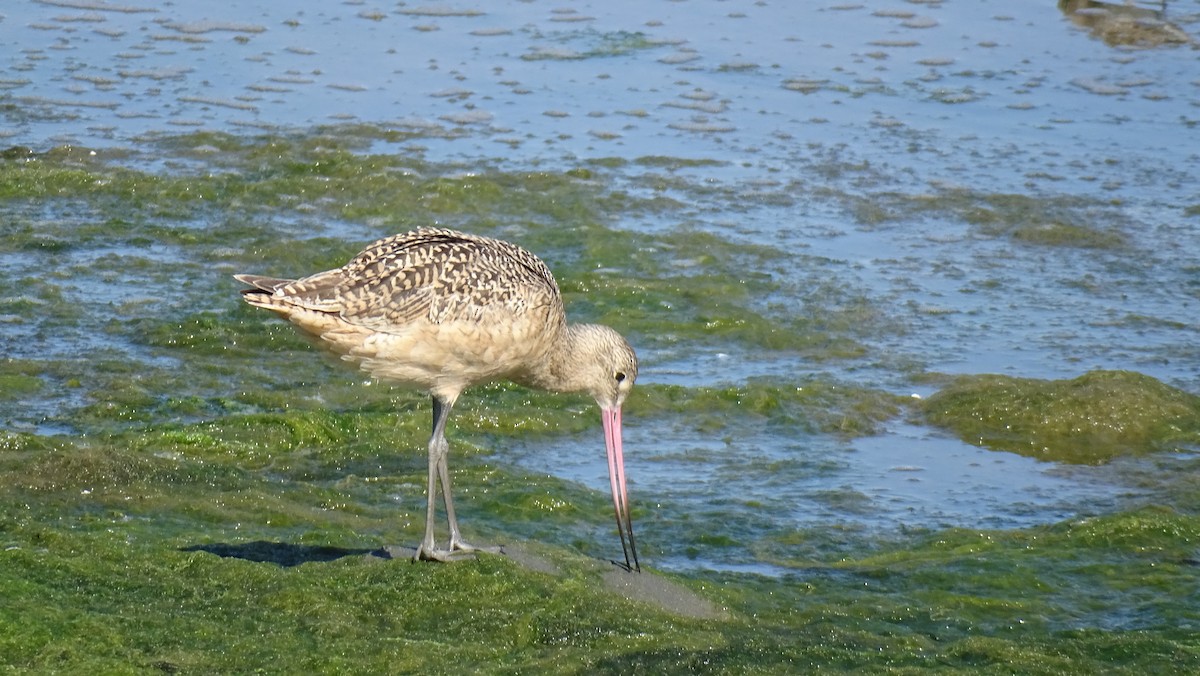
<point>434,308</point>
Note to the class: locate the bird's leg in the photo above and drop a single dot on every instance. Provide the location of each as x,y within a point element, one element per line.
<point>427,550</point>
<point>457,544</point>
<point>438,450</point>
<point>439,472</point>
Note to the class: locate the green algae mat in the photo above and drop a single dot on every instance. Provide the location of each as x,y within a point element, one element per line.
<point>186,487</point>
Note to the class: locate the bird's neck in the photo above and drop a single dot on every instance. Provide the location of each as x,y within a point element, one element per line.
<point>560,369</point>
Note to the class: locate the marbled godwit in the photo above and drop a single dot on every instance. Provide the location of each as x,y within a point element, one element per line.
<point>442,310</point>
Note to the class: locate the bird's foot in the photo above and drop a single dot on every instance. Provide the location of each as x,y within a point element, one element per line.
<point>443,555</point>
<point>461,545</point>
<point>635,568</point>
<point>459,551</point>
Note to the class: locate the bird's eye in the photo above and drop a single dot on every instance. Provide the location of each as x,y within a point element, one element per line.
<point>620,376</point>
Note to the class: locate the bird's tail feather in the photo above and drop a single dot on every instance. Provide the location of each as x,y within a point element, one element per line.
<point>260,283</point>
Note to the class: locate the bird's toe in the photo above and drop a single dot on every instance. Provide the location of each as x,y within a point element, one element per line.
<point>466,547</point>
<point>443,555</point>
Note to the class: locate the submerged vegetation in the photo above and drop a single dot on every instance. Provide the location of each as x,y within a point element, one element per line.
<point>1060,221</point>
<point>147,258</point>
<point>186,487</point>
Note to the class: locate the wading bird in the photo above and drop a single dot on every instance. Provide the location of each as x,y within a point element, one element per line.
<point>441,310</point>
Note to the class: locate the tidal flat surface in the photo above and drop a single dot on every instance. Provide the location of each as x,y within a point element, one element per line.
<point>827,229</point>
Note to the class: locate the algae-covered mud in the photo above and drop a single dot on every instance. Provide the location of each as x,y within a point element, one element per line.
<point>913,286</point>
<point>1096,417</point>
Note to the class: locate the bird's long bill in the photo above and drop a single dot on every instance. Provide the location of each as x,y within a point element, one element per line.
<point>616,477</point>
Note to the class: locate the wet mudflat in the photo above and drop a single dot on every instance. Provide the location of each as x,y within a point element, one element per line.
<point>913,285</point>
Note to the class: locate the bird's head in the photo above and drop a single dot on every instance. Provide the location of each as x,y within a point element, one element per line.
<point>611,366</point>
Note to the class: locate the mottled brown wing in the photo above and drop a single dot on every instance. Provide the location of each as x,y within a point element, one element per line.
<point>434,274</point>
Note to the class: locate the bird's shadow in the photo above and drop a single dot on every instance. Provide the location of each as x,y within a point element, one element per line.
<point>283,554</point>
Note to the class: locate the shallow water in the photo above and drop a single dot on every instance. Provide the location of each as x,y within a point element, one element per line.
<point>908,480</point>
<point>866,136</point>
